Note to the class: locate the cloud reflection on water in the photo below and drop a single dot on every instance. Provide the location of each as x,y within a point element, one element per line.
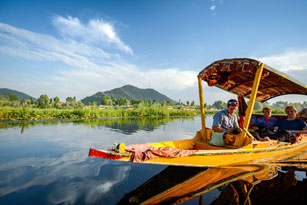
<point>53,158</point>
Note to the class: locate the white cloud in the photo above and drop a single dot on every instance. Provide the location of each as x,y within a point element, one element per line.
<point>92,52</point>
<point>287,61</point>
<point>95,31</point>
<point>212,8</point>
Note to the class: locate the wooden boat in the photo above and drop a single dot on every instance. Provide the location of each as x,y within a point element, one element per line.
<point>174,185</point>
<point>244,77</point>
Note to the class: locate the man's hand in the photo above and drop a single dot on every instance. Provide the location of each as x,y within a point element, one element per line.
<point>229,131</point>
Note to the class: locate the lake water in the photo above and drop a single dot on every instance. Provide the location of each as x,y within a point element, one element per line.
<point>47,163</point>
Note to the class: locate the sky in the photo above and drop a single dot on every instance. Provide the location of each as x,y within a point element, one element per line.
<point>78,48</point>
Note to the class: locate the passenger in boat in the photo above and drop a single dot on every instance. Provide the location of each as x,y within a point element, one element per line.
<point>263,126</point>
<point>289,127</point>
<point>226,120</point>
<point>265,121</point>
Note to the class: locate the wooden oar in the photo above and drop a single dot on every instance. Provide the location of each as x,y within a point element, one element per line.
<point>248,133</point>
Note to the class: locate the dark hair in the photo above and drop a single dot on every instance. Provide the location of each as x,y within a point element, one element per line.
<point>232,102</point>
<point>266,108</point>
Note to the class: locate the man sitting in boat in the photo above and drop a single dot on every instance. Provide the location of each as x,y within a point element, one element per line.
<point>225,121</point>
<point>263,126</point>
<point>289,127</point>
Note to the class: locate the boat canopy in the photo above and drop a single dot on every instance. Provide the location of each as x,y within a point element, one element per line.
<point>237,76</point>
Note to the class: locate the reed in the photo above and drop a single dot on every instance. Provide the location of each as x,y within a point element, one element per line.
<point>14,114</point>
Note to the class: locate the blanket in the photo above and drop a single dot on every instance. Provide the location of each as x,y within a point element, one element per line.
<point>143,152</point>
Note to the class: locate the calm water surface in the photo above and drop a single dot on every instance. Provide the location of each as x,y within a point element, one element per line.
<point>47,163</point>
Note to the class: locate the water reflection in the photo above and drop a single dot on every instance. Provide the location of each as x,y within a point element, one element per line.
<point>253,184</point>
<point>123,125</point>
<point>47,163</point>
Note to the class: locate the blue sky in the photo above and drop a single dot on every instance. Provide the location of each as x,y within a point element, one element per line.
<point>77,48</point>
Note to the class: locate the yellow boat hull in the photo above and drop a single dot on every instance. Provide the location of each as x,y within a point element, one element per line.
<point>212,156</point>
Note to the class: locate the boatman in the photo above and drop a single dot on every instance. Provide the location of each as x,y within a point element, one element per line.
<point>225,121</point>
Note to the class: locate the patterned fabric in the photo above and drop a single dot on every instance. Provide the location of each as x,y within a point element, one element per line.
<point>143,152</point>
<point>237,76</point>
<point>261,122</point>
<point>242,110</point>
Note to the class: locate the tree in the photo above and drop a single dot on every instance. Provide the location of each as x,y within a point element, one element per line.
<point>280,105</point>
<point>12,97</point>
<point>146,102</point>
<point>192,103</point>
<point>258,105</point>
<point>122,101</point>
<point>70,101</point>
<point>2,97</point>
<point>219,104</point>
<point>56,102</point>
<point>43,101</point>
<point>135,102</point>
<point>94,105</point>
<point>106,100</point>
<point>266,104</point>
<point>78,104</point>
<point>188,103</point>
<point>33,102</point>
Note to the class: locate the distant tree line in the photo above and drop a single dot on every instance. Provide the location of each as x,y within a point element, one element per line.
<point>111,101</point>
<point>45,102</point>
<point>42,102</point>
<point>279,105</point>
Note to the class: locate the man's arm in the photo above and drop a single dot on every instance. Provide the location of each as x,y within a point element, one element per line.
<point>217,122</point>
<point>218,129</point>
<point>304,131</point>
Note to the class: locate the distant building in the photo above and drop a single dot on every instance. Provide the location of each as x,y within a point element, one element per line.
<point>129,107</point>
<point>211,108</point>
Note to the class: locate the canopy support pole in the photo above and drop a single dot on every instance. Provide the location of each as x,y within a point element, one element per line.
<point>253,96</point>
<point>202,107</point>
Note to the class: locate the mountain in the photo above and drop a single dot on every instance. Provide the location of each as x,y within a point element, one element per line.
<point>131,93</point>
<point>4,92</point>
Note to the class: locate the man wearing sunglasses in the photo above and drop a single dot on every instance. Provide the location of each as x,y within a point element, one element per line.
<point>226,120</point>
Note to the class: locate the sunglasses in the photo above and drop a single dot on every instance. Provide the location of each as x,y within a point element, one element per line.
<point>232,103</point>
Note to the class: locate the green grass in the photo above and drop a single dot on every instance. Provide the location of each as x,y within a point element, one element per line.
<point>14,114</point>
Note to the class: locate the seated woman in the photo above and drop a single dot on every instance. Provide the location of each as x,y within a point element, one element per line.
<point>290,127</point>
<point>263,126</point>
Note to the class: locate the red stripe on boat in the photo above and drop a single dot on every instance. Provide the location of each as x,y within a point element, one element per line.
<point>102,154</point>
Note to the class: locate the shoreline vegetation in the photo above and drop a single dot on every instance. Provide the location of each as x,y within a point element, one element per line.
<point>34,114</point>
<point>11,114</point>
<point>13,109</point>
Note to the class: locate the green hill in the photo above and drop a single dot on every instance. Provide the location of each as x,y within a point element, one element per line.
<point>131,93</point>
<point>4,92</point>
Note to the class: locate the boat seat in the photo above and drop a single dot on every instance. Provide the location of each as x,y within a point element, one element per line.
<point>206,146</point>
